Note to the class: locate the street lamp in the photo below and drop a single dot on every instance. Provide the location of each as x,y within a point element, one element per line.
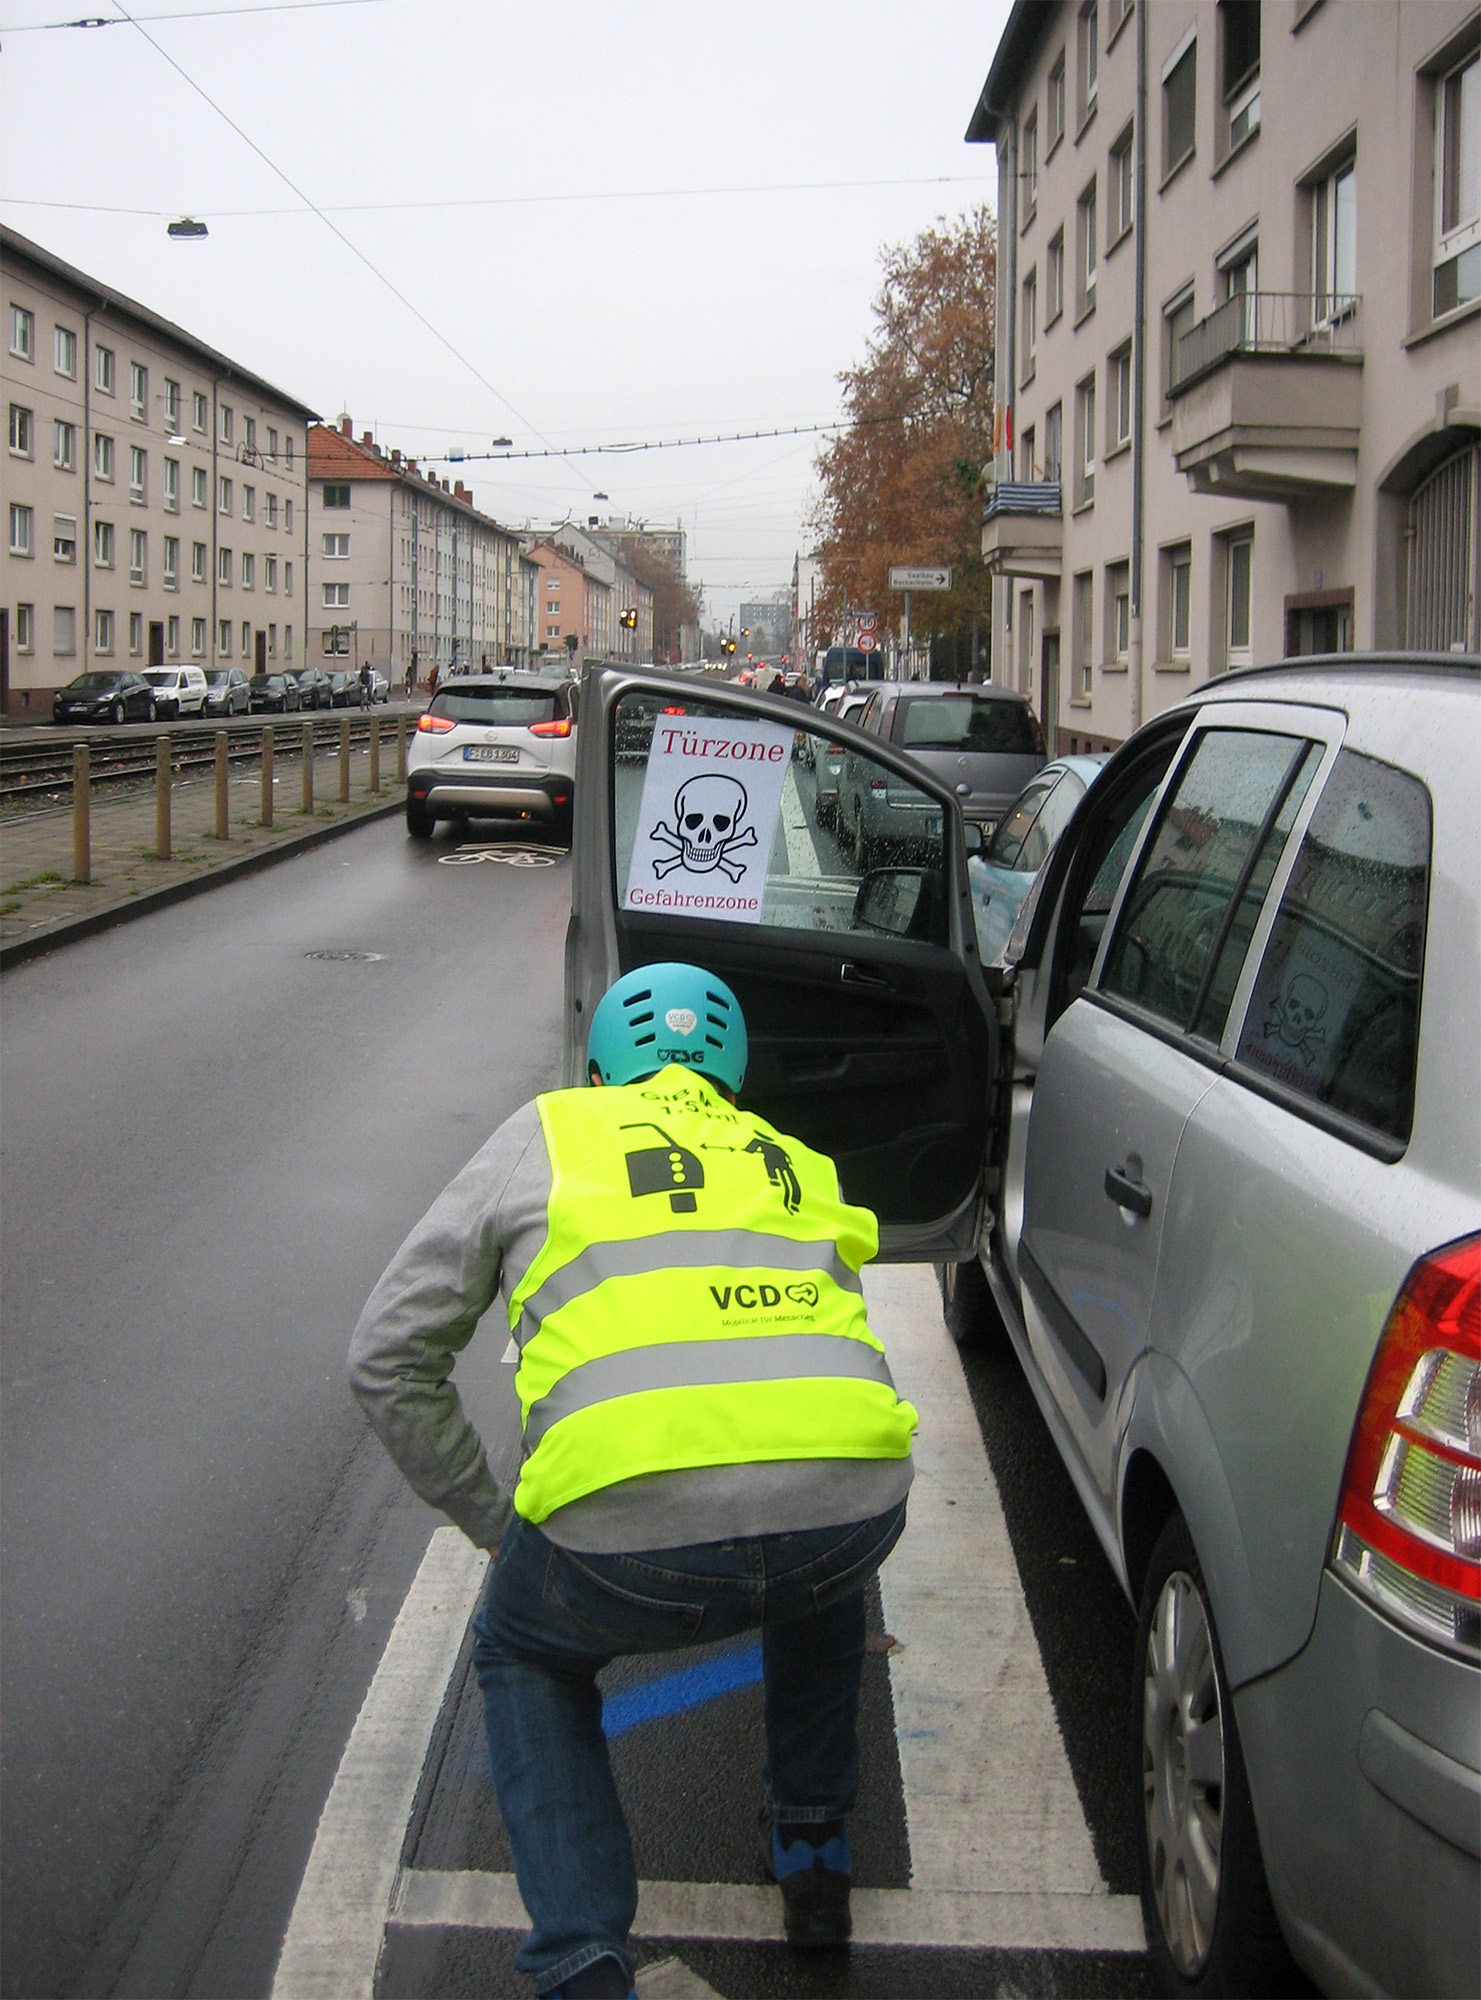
<point>501,444</point>
<point>187,230</point>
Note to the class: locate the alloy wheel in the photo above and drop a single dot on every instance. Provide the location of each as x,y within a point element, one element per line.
<point>1183,1772</point>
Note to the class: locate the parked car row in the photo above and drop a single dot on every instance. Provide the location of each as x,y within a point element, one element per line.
<point>166,693</point>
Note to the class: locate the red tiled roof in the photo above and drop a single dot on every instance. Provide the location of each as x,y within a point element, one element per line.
<point>332,455</point>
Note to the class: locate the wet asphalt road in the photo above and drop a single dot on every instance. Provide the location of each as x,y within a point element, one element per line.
<point>211,1143</point>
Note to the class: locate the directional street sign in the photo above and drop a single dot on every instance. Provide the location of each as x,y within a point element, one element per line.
<point>904,578</point>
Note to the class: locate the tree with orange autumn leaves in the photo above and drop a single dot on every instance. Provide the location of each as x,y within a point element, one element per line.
<point>903,482</point>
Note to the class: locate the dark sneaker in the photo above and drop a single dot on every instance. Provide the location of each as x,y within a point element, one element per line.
<point>815,1883</point>
<point>603,1979</point>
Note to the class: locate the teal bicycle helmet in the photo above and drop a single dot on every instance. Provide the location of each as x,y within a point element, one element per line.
<point>668,1013</point>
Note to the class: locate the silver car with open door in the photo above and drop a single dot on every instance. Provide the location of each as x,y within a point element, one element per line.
<point>872,1036</point>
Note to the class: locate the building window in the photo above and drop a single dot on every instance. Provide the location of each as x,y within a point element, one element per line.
<point>1028,167</point>
<point>336,597</point>
<point>1178,583</point>
<point>1085,440</point>
<point>288,459</point>
<point>288,629</point>
<point>1123,186</point>
<point>103,370</point>
<point>1239,37</point>
<point>22,428</point>
<point>197,562</point>
<point>272,642</point>
<point>63,445</point>
<point>171,570</point>
<point>1179,107</point>
<point>64,352</point>
<point>1239,268</point>
<point>223,494</point>
<point>22,333</point>
<point>272,510</point>
<point>1177,320</point>
<point>138,392</point>
<point>1084,634</point>
<point>1319,623</point>
<point>287,517</point>
<point>64,631</point>
<point>336,496</point>
<point>223,638</point>
<point>197,638</point>
<point>249,570</point>
<point>226,423</point>
<point>1458,187</point>
<point>21,520</point>
<point>336,547</point>
<point>246,640</point>
<point>25,628</point>
<point>172,406</point>
<point>1089,53</point>
<point>1119,429</point>
<point>102,544</point>
<point>103,631</point>
<point>1054,442</point>
<point>1239,556</point>
<point>200,410</point>
<point>136,633</point>
<point>1054,109</point>
<point>1334,244</point>
<point>1086,253</point>
<point>1118,613</point>
<point>249,503</point>
<point>272,445</point>
<point>270,573</point>
<point>64,538</point>
<point>223,567</point>
<point>172,637</point>
<point>287,579</point>
<point>102,456</point>
<point>1030,326</point>
<point>1027,468</point>
<point>249,434</point>
<point>138,556</point>
<point>138,473</point>
<point>172,486</point>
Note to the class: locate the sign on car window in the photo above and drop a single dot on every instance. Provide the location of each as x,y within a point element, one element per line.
<point>712,793</point>
<point>1334,1014</point>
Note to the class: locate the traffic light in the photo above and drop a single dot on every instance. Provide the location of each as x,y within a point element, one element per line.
<point>727,646</point>
<point>629,618</point>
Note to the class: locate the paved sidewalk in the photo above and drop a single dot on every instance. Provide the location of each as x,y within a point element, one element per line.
<point>41,906</point>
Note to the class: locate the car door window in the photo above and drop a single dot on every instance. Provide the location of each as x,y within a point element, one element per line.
<point>1050,821</point>
<point>1334,1013</point>
<point>1214,827</point>
<point>1012,830</point>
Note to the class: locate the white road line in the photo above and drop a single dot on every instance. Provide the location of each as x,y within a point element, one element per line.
<point>738,1912</point>
<point>338,1924</point>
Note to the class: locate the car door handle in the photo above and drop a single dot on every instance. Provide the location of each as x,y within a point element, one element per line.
<point>861,975</point>
<point>1127,1193</point>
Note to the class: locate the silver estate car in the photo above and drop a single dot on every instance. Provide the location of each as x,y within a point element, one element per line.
<point>1206,1148</point>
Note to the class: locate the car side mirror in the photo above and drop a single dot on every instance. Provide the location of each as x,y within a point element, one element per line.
<point>975,837</point>
<point>899,902</point>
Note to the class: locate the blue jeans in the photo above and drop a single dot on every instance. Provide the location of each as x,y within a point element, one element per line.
<point>551,1620</point>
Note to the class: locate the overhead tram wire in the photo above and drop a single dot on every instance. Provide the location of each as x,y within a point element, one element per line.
<point>354,250</point>
<point>656,444</point>
<point>193,14</point>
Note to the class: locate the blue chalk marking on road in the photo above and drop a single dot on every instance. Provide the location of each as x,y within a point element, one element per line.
<point>690,1687</point>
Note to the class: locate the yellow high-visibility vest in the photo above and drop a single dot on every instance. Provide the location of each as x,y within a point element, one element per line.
<point>696,1300</point>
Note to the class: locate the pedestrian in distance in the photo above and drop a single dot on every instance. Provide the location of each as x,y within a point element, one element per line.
<point>367,684</point>
<point>712,1442</point>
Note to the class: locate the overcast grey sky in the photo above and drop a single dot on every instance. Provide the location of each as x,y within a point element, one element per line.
<point>557,166</point>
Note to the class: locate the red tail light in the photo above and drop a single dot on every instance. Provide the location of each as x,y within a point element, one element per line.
<point>426,724</point>
<point>1409,1521</point>
<point>561,726</point>
<point>675,709</point>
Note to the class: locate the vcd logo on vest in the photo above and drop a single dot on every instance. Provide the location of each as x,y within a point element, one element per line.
<point>761,1297</point>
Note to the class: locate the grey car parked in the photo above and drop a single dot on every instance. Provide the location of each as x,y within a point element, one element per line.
<point>1207,1151</point>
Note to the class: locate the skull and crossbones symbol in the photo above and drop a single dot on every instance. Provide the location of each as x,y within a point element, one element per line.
<point>707,811</point>
<point>1295,1015</point>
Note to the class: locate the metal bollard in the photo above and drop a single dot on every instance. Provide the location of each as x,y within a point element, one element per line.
<point>267,775</point>
<point>162,797</point>
<point>375,753</point>
<point>308,768</point>
<point>401,749</point>
<point>223,822</point>
<point>344,760</point>
<point>82,841</point>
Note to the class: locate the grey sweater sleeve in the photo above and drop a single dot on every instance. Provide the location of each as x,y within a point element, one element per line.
<point>421,1316</point>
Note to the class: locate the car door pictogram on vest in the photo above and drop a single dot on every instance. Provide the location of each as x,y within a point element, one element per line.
<point>669,1169</point>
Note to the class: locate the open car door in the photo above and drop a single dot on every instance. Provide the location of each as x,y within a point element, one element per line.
<point>844,927</point>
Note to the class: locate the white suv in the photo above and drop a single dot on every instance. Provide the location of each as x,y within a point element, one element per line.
<point>499,745</point>
<point>177,690</point>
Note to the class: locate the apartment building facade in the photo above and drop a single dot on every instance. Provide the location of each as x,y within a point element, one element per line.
<point>406,572</point>
<point>1238,343</point>
<point>155,492</point>
<point>574,606</point>
<point>629,612</point>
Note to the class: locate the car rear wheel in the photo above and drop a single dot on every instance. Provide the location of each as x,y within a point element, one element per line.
<point>1205,1902</point>
<point>420,824</point>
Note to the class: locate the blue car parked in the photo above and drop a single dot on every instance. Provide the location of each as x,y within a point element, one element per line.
<point>1021,842</point>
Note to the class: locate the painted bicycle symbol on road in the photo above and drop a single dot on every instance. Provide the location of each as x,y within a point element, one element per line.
<point>507,852</point>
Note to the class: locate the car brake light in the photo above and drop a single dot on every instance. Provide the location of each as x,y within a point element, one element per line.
<point>427,723</point>
<point>879,784</point>
<point>561,726</point>
<point>1408,1532</point>
<point>675,709</point>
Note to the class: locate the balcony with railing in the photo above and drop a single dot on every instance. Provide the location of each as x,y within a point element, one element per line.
<point>1023,529</point>
<point>1266,396</point>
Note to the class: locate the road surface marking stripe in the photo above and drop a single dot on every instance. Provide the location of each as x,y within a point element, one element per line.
<point>738,1912</point>
<point>690,1687</point>
<point>335,1934</point>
